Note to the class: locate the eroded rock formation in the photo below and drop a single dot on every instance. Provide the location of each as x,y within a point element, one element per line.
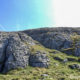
<point>63,39</point>
<point>15,52</point>
<point>15,47</point>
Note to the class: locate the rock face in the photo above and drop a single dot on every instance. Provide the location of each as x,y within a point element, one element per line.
<point>63,39</point>
<point>15,47</point>
<point>15,52</point>
<point>40,59</point>
<point>25,38</point>
<point>3,46</point>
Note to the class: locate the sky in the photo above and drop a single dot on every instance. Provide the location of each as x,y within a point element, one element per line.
<point>18,15</point>
<point>67,13</point>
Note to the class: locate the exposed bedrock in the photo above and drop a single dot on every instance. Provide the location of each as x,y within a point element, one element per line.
<point>39,59</point>
<point>15,52</point>
<point>15,47</point>
<point>63,39</point>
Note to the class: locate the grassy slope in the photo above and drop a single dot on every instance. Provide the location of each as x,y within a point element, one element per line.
<point>55,72</point>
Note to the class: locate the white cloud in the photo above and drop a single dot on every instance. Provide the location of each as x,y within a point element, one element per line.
<point>67,12</point>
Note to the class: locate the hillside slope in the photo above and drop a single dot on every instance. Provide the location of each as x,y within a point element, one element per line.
<point>40,54</point>
<point>63,39</point>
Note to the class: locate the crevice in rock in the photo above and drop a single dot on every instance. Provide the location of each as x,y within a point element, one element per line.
<point>20,37</point>
<point>2,68</point>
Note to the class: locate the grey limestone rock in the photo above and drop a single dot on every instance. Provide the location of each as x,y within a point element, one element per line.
<point>17,55</point>
<point>39,59</point>
<point>14,52</point>
<point>64,39</point>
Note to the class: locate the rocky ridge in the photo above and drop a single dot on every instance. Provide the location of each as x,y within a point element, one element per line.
<point>63,39</point>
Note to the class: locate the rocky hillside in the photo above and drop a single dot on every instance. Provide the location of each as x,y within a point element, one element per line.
<point>63,39</point>
<point>40,54</point>
<point>15,52</point>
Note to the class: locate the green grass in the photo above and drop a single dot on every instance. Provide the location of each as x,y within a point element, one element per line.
<point>59,72</point>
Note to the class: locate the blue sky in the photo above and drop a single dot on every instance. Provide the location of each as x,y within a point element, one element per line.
<point>18,15</point>
<point>25,14</point>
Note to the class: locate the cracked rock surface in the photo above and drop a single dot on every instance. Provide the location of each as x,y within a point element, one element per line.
<point>39,59</point>
<point>15,51</point>
<point>63,39</point>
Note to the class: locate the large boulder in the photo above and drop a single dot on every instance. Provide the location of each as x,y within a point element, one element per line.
<point>17,54</point>
<point>39,59</point>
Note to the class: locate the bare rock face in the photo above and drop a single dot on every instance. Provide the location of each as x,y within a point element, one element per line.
<point>66,40</point>
<point>15,46</point>
<point>17,54</point>
<point>14,53</point>
<point>25,38</point>
<point>39,59</point>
